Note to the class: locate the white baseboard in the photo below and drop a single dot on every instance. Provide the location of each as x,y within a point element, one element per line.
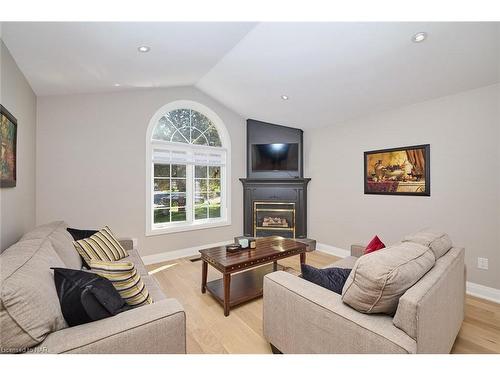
<point>337,251</point>
<point>182,253</point>
<point>484,292</point>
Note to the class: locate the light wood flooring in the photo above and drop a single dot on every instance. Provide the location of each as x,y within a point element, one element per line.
<point>208,331</point>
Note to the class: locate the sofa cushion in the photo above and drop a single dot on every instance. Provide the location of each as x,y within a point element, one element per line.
<point>29,308</point>
<point>153,288</point>
<point>378,279</point>
<point>61,241</point>
<point>134,257</point>
<point>438,242</point>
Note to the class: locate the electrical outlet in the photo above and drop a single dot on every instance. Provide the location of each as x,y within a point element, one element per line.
<point>482,263</point>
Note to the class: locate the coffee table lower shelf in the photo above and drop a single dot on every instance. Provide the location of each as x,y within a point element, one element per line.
<point>245,286</point>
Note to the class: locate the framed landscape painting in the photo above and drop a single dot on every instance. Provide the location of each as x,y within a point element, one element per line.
<point>398,171</point>
<point>8,135</point>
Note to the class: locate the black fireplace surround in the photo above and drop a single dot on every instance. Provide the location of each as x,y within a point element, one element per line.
<point>274,186</point>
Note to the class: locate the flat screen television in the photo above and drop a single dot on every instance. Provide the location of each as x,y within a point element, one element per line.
<point>275,157</point>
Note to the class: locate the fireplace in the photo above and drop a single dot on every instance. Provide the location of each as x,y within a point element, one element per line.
<point>275,192</point>
<point>268,196</point>
<point>274,219</point>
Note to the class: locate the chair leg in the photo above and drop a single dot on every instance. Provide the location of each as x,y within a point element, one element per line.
<point>275,350</point>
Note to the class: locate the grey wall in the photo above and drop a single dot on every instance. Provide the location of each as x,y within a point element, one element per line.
<point>464,133</point>
<point>17,204</point>
<point>91,156</point>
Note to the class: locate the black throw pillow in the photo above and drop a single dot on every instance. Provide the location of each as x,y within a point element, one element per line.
<point>329,278</point>
<point>80,234</point>
<point>86,297</point>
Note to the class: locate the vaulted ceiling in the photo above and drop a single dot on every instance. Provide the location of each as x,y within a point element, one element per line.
<point>331,72</point>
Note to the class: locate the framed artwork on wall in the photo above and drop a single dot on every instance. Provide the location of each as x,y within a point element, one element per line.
<point>8,138</point>
<point>398,171</point>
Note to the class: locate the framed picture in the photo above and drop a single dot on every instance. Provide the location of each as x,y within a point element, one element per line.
<point>8,135</point>
<point>398,171</point>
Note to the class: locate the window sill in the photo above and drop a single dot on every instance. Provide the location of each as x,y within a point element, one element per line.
<point>186,227</point>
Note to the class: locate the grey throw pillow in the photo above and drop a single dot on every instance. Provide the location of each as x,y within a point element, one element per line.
<point>378,279</point>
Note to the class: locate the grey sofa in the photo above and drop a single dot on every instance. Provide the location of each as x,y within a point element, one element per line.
<point>301,317</point>
<point>31,319</point>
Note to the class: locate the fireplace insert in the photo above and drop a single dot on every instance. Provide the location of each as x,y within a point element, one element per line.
<point>274,219</point>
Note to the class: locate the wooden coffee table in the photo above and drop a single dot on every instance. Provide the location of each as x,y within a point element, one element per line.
<point>247,285</point>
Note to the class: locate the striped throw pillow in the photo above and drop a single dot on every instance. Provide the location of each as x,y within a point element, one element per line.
<point>125,279</point>
<point>100,246</point>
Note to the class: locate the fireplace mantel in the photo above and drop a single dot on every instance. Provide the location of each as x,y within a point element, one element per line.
<point>293,190</point>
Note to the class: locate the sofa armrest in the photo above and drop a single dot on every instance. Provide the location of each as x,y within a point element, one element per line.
<point>432,311</point>
<point>156,328</point>
<point>357,250</point>
<point>301,317</point>
<point>126,242</point>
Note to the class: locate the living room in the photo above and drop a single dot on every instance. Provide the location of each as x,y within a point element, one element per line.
<point>250,187</point>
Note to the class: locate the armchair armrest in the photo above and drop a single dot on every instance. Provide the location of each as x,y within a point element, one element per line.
<point>302,317</point>
<point>357,250</point>
<point>126,242</point>
<point>156,328</point>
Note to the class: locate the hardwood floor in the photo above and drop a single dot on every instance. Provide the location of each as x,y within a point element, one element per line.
<point>208,331</point>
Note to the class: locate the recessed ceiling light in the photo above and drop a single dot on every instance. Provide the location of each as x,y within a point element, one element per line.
<point>117,85</point>
<point>419,37</point>
<point>143,49</point>
<point>284,97</point>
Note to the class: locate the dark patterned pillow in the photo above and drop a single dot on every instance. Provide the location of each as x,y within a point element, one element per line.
<point>86,297</point>
<point>330,278</point>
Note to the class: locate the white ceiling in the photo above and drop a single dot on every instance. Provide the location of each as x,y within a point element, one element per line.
<point>82,57</point>
<point>332,72</point>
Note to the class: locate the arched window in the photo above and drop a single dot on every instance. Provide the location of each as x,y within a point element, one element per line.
<point>187,172</point>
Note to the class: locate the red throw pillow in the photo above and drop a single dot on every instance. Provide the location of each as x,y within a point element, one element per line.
<point>374,245</point>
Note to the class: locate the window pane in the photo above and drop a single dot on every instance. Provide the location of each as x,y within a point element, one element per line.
<point>214,172</point>
<point>213,137</point>
<point>179,117</point>
<point>187,126</point>
<point>178,199</point>
<point>161,216</point>
<point>178,170</point>
<point>162,184</point>
<point>214,186</point>
<point>164,130</point>
<point>179,138</point>
<point>178,185</point>
<point>179,214</point>
<point>200,171</point>
<point>201,140</point>
<point>162,200</point>
<point>214,211</point>
<point>200,185</point>
<point>197,138</point>
<point>200,212</point>
<point>200,198</point>
<point>214,198</point>
<point>200,121</point>
<point>162,170</point>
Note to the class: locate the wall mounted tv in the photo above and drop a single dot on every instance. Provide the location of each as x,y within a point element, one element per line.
<point>275,157</point>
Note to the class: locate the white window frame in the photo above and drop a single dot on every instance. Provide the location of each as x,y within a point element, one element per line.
<point>190,224</point>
